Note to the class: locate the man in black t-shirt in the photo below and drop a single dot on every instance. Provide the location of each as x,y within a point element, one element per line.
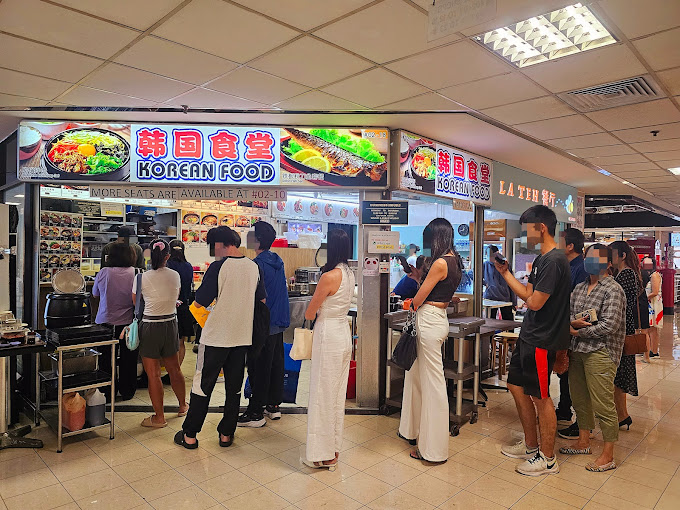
<point>543,338</point>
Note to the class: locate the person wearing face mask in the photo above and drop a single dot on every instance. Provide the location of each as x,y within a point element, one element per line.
<point>596,348</point>
<point>651,279</point>
<point>543,339</point>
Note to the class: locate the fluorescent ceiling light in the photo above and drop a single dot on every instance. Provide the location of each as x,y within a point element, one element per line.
<point>18,196</point>
<point>549,36</point>
<point>675,171</point>
<point>625,182</point>
<point>604,172</point>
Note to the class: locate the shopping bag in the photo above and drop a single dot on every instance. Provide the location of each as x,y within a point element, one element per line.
<point>291,375</point>
<point>302,343</point>
<point>200,313</point>
<point>406,350</point>
<point>132,331</point>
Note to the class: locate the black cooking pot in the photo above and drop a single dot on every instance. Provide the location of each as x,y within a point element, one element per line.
<point>66,310</point>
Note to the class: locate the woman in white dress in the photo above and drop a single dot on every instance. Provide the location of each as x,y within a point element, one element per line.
<point>331,354</point>
<point>652,281</point>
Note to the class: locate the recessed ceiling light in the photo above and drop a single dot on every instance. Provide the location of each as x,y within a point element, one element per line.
<point>675,171</point>
<point>549,36</point>
<point>18,196</point>
<point>625,182</point>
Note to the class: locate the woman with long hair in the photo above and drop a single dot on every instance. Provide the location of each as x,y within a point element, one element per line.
<point>626,266</point>
<point>425,408</point>
<point>185,321</point>
<point>331,354</point>
<point>651,279</point>
<point>158,336</point>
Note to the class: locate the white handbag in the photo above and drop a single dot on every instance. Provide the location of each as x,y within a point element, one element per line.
<point>302,343</point>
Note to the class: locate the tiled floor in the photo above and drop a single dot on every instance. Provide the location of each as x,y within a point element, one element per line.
<point>142,468</point>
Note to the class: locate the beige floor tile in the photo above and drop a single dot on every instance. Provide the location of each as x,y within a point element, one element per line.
<point>353,419</point>
<point>392,472</point>
<point>295,487</point>
<point>287,422</point>
<point>361,458</point>
<point>298,433</point>
<point>668,501</point>
<point>117,499</point>
<point>578,475</point>
<point>382,424</point>
<point>160,443</point>
<point>405,458</point>
<point>77,468</point>
<point>430,489</point>
<point>159,485</point>
<point>227,486</point>
<point>89,485</point>
<point>14,453</point>
<point>478,459</point>
<point>204,469</point>
<point>276,443</point>
<point>536,501</point>
<point>638,474</point>
<point>191,498</point>
<point>141,468</point>
<point>506,471</point>
<point>634,492</point>
<point>387,445</point>
<point>267,470</point>
<point>46,498</point>
<point>652,462</point>
<point>566,497</point>
<point>467,501</point>
<point>240,456</point>
<point>292,457</point>
<point>363,488</point>
<point>27,482</point>
<point>20,465</point>
<point>250,435</point>
<point>180,456</point>
<point>101,443</point>
<point>257,499</point>
<point>124,454</point>
<point>359,434</point>
<point>399,500</point>
<point>610,501</point>
<point>70,452</point>
<point>456,474</point>
<point>342,472</point>
<point>328,499</point>
<point>558,483</point>
<point>497,490</point>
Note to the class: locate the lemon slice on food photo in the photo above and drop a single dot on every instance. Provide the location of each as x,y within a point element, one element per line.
<point>305,154</point>
<point>318,163</point>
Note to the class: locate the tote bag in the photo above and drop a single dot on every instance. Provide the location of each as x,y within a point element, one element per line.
<point>637,342</point>
<point>302,343</point>
<point>132,331</point>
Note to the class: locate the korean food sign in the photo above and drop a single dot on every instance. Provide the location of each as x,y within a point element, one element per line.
<point>430,167</point>
<point>203,155</point>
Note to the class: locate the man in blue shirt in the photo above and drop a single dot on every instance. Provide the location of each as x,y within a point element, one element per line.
<point>573,248</point>
<point>407,288</point>
<point>497,288</point>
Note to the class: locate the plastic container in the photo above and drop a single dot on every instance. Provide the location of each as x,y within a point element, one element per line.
<point>73,412</point>
<point>95,410</point>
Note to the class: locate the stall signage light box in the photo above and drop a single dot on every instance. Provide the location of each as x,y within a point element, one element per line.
<point>207,155</point>
<point>427,166</point>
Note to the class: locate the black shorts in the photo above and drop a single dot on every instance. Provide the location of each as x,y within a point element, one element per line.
<point>530,368</point>
<point>158,340</point>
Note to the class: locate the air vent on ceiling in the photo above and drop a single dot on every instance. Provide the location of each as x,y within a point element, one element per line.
<point>611,95</point>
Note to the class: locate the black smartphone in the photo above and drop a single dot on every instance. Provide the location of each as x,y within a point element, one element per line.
<point>501,259</point>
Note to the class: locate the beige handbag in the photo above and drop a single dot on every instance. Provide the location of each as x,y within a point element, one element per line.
<point>302,343</point>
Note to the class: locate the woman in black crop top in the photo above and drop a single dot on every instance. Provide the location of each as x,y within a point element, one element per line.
<point>425,407</point>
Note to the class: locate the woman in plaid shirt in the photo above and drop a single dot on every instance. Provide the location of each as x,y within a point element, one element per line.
<point>596,349</point>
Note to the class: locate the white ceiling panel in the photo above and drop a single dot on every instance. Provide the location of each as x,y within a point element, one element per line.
<point>22,84</point>
<point>587,69</point>
<point>494,91</point>
<point>584,141</point>
<point>225,30</point>
<point>559,128</point>
<point>315,100</point>
<point>672,144</point>
<point>528,111</point>
<point>204,98</point>
<point>133,82</point>
<point>20,101</point>
<point>661,50</point>
<point>662,178</point>
<point>637,19</point>
<point>638,135</point>
<point>661,111</point>
<point>671,163</point>
<point>374,88</point>
<point>383,32</point>
<point>426,102</point>
<point>85,96</point>
<point>607,150</point>
<point>627,159</point>
<point>456,63</point>
<point>671,79</point>
<point>311,62</point>
<point>304,14</point>
<point>174,61</point>
<point>31,57</point>
<point>133,13</point>
<point>257,86</point>
<point>61,27</point>
<point>661,157</point>
<point>635,168</point>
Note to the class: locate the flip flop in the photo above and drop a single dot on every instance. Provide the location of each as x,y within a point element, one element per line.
<point>147,422</point>
<point>412,442</point>
<point>591,466</point>
<point>575,451</point>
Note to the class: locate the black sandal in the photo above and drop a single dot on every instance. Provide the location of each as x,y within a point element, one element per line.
<point>179,440</point>
<point>225,444</point>
<point>412,442</point>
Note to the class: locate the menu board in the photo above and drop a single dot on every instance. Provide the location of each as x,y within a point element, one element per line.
<point>198,155</point>
<point>315,210</point>
<point>61,237</point>
<point>240,216</point>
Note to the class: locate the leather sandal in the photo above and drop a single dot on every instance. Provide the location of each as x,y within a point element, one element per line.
<point>179,440</point>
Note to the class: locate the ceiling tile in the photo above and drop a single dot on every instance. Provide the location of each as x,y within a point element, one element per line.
<point>85,96</point>
<point>494,91</point>
<point>660,111</point>
<point>584,141</point>
<point>64,28</point>
<point>671,79</point>
<point>20,101</point>
<point>635,168</point>
<point>133,13</point>
<point>658,145</point>
<point>304,14</point>
<point>315,100</point>
<point>465,61</point>
<point>528,111</point>
<point>203,98</point>
<point>257,86</point>
<point>607,150</point>
<point>31,57</point>
<point>374,88</point>
<point>667,179</point>
<point>133,82</point>
<point>175,61</point>
<point>626,159</point>
<point>671,163</point>
<point>654,185</point>
<point>661,157</point>
<point>311,62</point>
<point>657,172</point>
<point>430,101</point>
<point>666,131</point>
<point>660,50</point>
<point>225,30</point>
<point>21,84</point>
<point>559,128</point>
<point>383,32</point>
<point>636,21</point>
<point>586,69</point>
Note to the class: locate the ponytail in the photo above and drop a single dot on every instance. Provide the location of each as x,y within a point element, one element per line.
<point>159,250</point>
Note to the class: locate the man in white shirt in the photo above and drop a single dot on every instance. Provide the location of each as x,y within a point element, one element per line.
<point>233,282</point>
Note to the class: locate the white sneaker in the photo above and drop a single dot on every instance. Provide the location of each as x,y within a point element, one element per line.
<point>538,465</point>
<point>519,450</point>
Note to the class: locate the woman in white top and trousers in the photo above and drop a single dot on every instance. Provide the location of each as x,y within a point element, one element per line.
<point>331,355</point>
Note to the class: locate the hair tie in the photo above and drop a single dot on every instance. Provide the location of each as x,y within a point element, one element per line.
<point>158,244</point>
